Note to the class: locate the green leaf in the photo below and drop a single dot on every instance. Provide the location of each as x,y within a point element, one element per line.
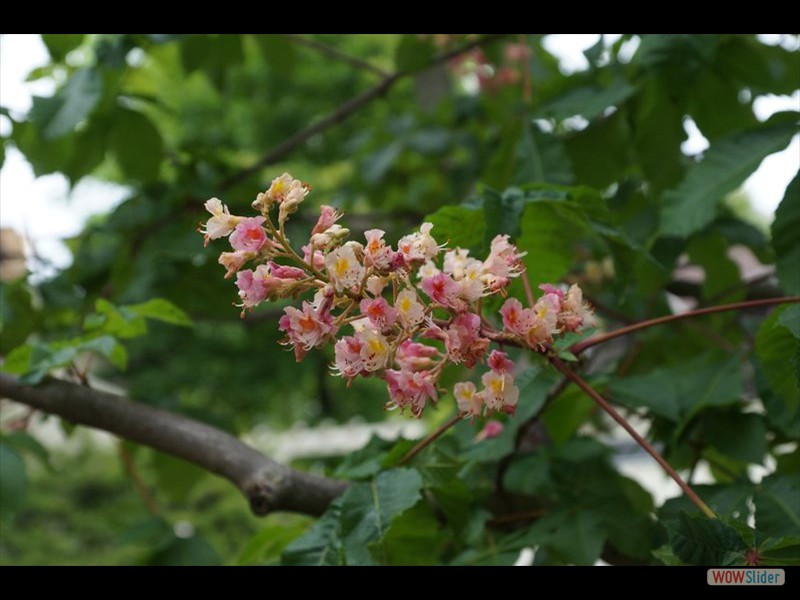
<point>267,544</point>
<point>322,545</point>
<point>368,510</point>
<point>589,101</point>
<point>278,50</point>
<point>548,235</point>
<point>727,500</point>
<point>115,321</point>
<point>667,556</point>
<point>658,134</point>
<point>680,391</point>
<point>413,54</point>
<point>137,145</point>
<point>790,318</point>
<point>710,251</point>
<point>785,239</point>
<point>577,537</point>
<point>13,482</point>
<point>174,477</point>
<point>698,540</point>
<point>26,443</point>
<point>60,44</point>
<point>160,309</point>
<point>415,538</point>
<point>741,436</point>
<point>599,169</point>
<point>194,551</point>
<point>59,114</point>
<point>18,318</point>
<point>529,475</point>
<point>784,550</point>
<point>18,361</point>
<point>777,502</point>
<point>775,348</point>
<point>566,413</point>
<point>691,206</point>
<point>541,158</point>
<point>459,226</point>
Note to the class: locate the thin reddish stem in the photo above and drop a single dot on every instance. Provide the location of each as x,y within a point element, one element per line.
<point>528,289</point>
<point>422,444</point>
<point>581,346</point>
<point>603,403</point>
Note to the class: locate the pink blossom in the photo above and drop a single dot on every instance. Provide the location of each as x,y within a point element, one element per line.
<point>233,261</point>
<point>221,222</point>
<point>491,430</point>
<point>249,236</point>
<point>413,356</point>
<point>379,312</point>
<point>376,253</point>
<point>328,216</point>
<point>516,319</point>
<point>252,290</point>
<point>499,391</point>
<point>575,313</point>
<point>410,390</point>
<point>444,291</point>
<point>319,257</point>
<point>343,267</point>
<point>500,363</point>
<point>409,309</point>
<point>503,263</point>
<point>285,272</point>
<point>469,400</point>
<point>306,328</point>
<point>535,326</point>
<point>549,288</point>
<point>374,350</point>
<point>546,311</point>
<point>348,362</point>
<point>281,188</point>
<point>463,341</point>
<point>418,246</point>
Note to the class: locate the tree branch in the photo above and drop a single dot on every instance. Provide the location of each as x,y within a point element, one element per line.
<point>599,339</point>
<point>267,485</point>
<point>333,52</point>
<point>344,111</point>
<point>603,403</point>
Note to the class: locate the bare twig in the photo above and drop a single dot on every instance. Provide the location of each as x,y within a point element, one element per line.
<point>422,444</point>
<point>344,111</point>
<point>334,52</point>
<point>268,485</point>
<point>599,339</point>
<point>603,403</point>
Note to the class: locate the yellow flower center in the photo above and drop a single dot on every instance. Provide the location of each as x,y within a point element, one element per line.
<point>341,266</point>
<point>376,346</point>
<point>497,386</point>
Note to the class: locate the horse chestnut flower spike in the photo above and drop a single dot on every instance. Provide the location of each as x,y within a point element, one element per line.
<point>379,306</point>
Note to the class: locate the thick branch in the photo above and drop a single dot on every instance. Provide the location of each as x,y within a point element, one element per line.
<point>268,485</point>
<point>343,112</point>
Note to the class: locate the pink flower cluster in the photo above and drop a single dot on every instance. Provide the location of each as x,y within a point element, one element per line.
<point>411,314</point>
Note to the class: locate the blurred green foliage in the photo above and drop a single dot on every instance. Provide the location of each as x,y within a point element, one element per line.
<point>584,170</point>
